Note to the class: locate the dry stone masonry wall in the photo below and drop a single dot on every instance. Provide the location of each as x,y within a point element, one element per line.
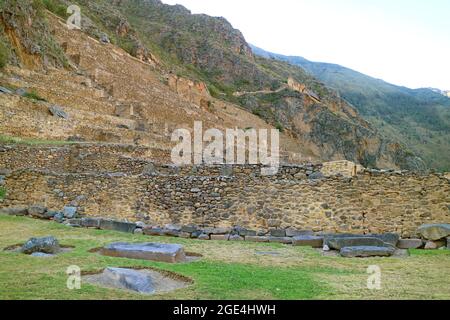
<point>298,196</point>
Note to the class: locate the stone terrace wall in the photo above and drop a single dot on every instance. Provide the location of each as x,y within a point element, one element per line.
<point>370,202</point>
<point>80,158</point>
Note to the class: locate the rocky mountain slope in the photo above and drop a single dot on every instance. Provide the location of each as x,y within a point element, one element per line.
<point>418,118</point>
<point>158,67</point>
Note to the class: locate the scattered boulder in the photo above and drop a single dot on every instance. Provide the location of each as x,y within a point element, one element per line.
<point>410,244</point>
<point>104,38</point>
<point>138,231</point>
<point>70,212</point>
<point>128,279</point>
<point>171,253</point>
<point>57,111</point>
<point>434,231</point>
<point>48,245</point>
<point>246,232</point>
<point>308,241</point>
<point>433,245</point>
<point>14,211</point>
<point>354,241</point>
<point>366,251</point>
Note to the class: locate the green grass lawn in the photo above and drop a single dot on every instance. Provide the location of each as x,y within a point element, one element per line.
<point>228,270</point>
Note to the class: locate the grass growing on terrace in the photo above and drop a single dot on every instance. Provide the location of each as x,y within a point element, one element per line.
<point>4,139</point>
<point>228,270</point>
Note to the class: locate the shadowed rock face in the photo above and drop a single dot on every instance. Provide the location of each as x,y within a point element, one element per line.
<point>171,253</point>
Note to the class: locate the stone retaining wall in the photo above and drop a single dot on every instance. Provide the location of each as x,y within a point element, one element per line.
<point>371,202</point>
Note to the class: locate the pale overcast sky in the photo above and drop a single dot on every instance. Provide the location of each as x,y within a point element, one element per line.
<point>405,42</point>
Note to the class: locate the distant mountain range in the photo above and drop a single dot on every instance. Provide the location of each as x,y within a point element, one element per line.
<point>420,118</point>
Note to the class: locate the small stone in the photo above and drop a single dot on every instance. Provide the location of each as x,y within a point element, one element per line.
<point>140,224</point>
<point>138,231</point>
<point>326,248</point>
<point>57,111</point>
<point>203,237</point>
<point>433,245</point>
<point>37,211</point>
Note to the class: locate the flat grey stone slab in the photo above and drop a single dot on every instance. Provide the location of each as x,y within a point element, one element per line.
<point>308,241</point>
<point>366,252</point>
<point>171,253</point>
<point>339,243</point>
<point>434,231</point>
<point>128,279</point>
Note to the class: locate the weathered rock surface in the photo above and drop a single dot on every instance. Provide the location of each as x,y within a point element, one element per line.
<point>91,222</point>
<point>283,240</point>
<point>308,241</point>
<point>57,111</point>
<point>70,212</point>
<point>257,239</point>
<point>410,244</point>
<point>366,251</point>
<point>171,253</point>
<point>48,245</point>
<point>128,279</point>
<point>434,231</point>
<point>117,226</point>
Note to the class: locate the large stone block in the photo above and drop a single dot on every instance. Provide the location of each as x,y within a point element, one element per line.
<point>410,244</point>
<point>257,239</point>
<point>308,241</point>
<point>171,253</point>
<point>278,233</point>
<point>117,226</point>
<point>291,232</point>
<point>434,231</point>
<point>14,211</point>
<point>339,243</point>
<point>366,251</point>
